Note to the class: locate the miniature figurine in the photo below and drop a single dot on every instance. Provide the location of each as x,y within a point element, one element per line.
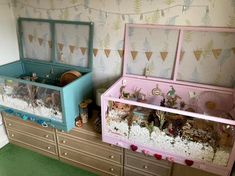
<point>153,118</point>
<point>156,91</point>
<point>171,93</point>
<point>161,117</point>
<point>78,122</point>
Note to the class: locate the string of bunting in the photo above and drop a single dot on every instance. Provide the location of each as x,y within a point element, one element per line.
<point>197,53</point>
<point>122,15</point>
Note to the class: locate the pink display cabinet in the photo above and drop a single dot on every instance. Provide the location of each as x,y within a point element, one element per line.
<point>175,100</point>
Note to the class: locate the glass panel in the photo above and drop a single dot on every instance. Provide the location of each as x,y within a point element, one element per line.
<point>208,58</point>
<point>32,99</point>
<point>188,137</point>
<point>151,51</point>
<point>72,44</point>
<point>36,40</point>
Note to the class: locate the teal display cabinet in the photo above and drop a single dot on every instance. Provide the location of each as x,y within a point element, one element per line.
<point>50,50</point>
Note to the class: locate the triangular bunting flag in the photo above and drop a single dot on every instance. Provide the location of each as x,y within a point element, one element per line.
<point>107,52</point>
<point>71,48</point>
<point>61,46</point>
<point>30,38</point>
<point>50,44</point>
<point>95,51</point>
<point>121,53</point>
<point>40,40</point>
<point>216,52</point>
<point>181,55</point>
<point>197,54</point>
<point>134,54</point>
<point>83,50</point>
<point>233,50</point>
<point>148,54</point>
<point>164,55</point>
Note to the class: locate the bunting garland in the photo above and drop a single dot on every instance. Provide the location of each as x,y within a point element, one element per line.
<point>106,13</point>
<point>40,40</point>
<point>107,52</point>
<point>71,48</point>
<point>164,55</point>
<point>30,38</point>
<point>233,49</point>
<point>121,53</point>
<point>83,50</point>
<point>49,44</point>
<point>148,54</point>
<point>197,54</point>
<point>134,54</point>
<point>216,52</point>
<point>181,55</point>
<point>61,46</point>
<point>95,51</point>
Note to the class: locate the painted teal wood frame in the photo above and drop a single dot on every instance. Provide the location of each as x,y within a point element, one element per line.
<point>71,95</point>
<point>52,24</point>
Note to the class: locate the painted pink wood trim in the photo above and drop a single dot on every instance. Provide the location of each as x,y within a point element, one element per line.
<point>231,159</point>
<point>178,52</point>
<point>207,166</point>
<point>112,88</point>
<point>192,28</point>
<point>195,85</point>
<point>198,85</point>
<point>126,49</point>
<point>176,111</point>
<point>175,68</point>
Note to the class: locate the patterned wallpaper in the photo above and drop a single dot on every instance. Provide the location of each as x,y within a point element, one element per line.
<point>110,17</point>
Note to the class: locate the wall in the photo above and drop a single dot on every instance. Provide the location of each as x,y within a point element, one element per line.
<point>8,40</point>
<point>110,17</point>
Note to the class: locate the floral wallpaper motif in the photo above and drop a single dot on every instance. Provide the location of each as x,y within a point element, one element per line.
<point>110,16</point>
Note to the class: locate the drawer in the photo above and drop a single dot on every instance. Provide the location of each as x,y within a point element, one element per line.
<point>92,149</point>
<point>26,122</point>
<point>147,166</point>
<point>147,157</point>
<point>29,140</point>
<point>134,172</point>
<point>90,137</point>
<point>27,128</point>
<point>90,161</point>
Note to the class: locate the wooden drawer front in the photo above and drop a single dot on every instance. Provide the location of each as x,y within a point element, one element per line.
<point>148,157</point>
<point>91,149</point>
<point>147,166</point>
<point>11,124</point>
<point>92,138</point>
<point>8,117</point>
<point>134,172</point>
<point>42,145</point>
<point>90,161</point>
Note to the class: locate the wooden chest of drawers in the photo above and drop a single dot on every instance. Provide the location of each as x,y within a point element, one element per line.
<point>31,136</point>
<point>83,147</point>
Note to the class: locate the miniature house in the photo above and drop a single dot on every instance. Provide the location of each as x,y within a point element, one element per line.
<point>190,108</point>
<point>53,74</point>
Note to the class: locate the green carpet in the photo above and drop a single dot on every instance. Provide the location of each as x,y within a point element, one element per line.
<point>17,161</point>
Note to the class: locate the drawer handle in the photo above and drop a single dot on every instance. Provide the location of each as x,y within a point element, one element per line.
<point>12,135</point>
<point>111,169</point>
<point>111,156</point>
<point>48,148</point>
<point>65,154</point>
<point>63,141</point>
<point>145,167</point>
<point>47,136</point>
